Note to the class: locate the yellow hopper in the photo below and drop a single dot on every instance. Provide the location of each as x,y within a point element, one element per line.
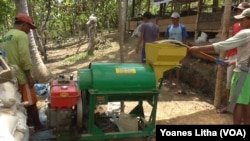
<point>164,55</point>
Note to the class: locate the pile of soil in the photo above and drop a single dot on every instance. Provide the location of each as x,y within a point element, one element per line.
<point>200,74</point>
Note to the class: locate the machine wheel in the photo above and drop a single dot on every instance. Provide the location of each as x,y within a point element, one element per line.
<point>79,113</point>
<point>82,110</point>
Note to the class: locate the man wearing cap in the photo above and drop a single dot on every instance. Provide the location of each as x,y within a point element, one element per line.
<point>176,31</point>
<point>16,46</point>
<point>241,41</point>
<point>149,33</point>
<point>231,55</point>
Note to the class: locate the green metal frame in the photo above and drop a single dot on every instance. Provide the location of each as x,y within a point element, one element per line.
<point>95,98</point>
<point>147,128</point>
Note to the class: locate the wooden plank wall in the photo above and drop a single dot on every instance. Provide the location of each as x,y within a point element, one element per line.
<point>163,23</point>
<point>188,21</point>
<point>209,22</point>
<point>131,25</point>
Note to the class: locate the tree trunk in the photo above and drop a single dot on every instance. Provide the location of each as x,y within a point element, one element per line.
<point>122,22</point>
<point>40,46</point>
<point>220,73</point>
<point>42,74</point>
<point>91,46</point>
<point>92,35</point>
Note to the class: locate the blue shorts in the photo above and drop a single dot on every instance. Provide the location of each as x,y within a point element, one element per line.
<point>143,55</point>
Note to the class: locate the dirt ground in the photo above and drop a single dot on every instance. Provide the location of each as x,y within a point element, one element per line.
<point>173,108</point>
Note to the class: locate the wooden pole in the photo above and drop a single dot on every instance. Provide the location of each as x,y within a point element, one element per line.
<point>133,9</point>
<point>197,20</point>
<point>148,5</point>
<point>225,34</point>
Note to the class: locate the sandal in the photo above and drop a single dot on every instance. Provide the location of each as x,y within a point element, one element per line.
<point>222,110</point>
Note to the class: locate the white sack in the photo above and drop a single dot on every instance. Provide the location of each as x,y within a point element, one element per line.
<point>18,135</point>
<point>22,136</point>
<point>8,125</point>
<point>6,137</point>
<point>21,124</point>
<point>8,111</point>
<point>202,38</point>
<point>8,94</point>
<point>26,135</point>
<point>136,32</point>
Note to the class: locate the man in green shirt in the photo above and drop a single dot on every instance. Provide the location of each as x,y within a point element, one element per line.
<point>16,46</point>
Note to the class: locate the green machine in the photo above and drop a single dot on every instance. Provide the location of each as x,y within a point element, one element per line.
<point>112,82</point>
<point>102,83</point>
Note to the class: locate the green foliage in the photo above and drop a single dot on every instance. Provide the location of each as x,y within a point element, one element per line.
<point>60,19</point>
<point>75,58</point>
<point>6,7</point>
<point>68,17</point>
<point>107,11</point>
<point>6,15</point>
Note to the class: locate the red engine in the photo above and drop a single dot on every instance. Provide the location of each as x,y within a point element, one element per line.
<point>64,93</point>
<point>63,99</point>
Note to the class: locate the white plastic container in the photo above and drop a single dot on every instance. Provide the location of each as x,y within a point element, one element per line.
<point>128,122</point>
